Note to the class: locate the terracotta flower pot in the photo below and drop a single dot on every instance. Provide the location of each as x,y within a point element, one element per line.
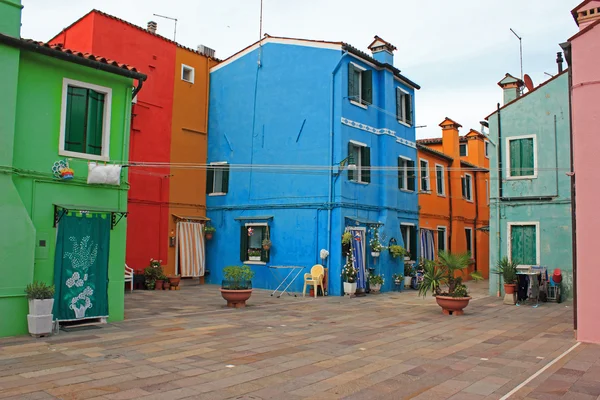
<point>266,247</point>
<point>174,280</point>
<point>452,305</point>
<point>236,298</point>
<point>208,235</point>
<point>158,285</point>
<point>509,288</point>
<point>166,285</point>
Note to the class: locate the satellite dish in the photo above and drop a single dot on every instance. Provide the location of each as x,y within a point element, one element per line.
<point>528,82</point>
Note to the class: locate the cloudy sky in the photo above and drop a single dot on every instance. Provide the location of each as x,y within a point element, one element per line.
<point>456,50</point>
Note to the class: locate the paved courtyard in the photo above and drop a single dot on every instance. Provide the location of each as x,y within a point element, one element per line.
<point>186,345</point>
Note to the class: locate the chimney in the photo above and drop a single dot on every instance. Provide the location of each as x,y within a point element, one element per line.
<point>511,87</point>
<point>382,51</point>
<point>587,13</point>
<point>559,61</point>
<point>450,138</point>
<point>484,126</point>
<point>152,27</point>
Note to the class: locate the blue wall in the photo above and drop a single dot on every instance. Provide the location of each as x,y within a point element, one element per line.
<point>281,114</point>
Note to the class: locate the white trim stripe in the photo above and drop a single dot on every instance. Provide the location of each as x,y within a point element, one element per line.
<point>378,131</point>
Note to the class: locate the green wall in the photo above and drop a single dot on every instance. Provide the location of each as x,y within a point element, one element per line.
<point>33,102</point>
<point>535,114</point>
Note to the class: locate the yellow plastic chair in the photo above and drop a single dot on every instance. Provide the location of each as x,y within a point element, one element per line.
<point>315,278</point>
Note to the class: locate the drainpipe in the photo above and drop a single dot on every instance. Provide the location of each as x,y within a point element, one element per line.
<point>449,249</point>
<point>500,195</point>
<point>556,153</point>
<point>331,134</point>
<point>475,222</point>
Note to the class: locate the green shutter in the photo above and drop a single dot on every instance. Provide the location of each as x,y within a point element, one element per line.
<point>400,173</point>
<point>441,240</point>
<point>225,188</point>
<point>367,87</point>
<point>350,172</point>
<point>244,244</point>
<point>412,176</point>
<point>95,122</point>
<point>210,176</point>
<point>365,174</point>
<point>408,108</point>
<point>353,89</point>
<point>515,157</point>
<point>398,104</point>
<point>75,119</point>
<point>524,244</point>
<point>264,254</point>
<point>413,242</point>
<point>526,157</point>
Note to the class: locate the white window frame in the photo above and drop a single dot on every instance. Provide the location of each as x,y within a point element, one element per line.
<point>403,106</point>
<point>105,156</point>
<point>535,159</point>
<point>192,73</point>
<point>358,163</point>
<point>509,226</point>
<point>249,224</point>
<point>359,102</point>
<point>407,244</point>
<point>443,193</point>
<point>472,240</point>
<point>487,148</point>
<point>470,192</point>
<point>427,178</point>
<point>214,180</point>
<point>466,149</point>
<point>445,229</point>
<point>405,175</point>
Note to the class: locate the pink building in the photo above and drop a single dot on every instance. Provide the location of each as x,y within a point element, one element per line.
<point>583,54</point>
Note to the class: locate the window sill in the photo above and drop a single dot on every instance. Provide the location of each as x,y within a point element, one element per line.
<point>217,194</point>
<point>521,178</point>
<point>424,191</point>
<point>404,123</point>
<point>84,156</point>
<point>469,200</point>
<point>441,194</point>
<point>255,262</point>
<point>357,104</point>
<point>407,191</point>
<point>185,80</point>
<point>359,182</point>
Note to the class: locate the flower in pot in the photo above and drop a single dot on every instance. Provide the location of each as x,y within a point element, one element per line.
<point>397,279</point>
<point>174,281</point>
<point>154,274</point>
<point>397,251</point>
<point>209,232</point>
<point>166,285</point>
<point>41,301</point>
<point>375,282</point>
<point>349,274</point>
<point>254,254</point>
<point>266,244</point>
<point>508,270</point>
<point>376,246</point>
<point>236,288</point>
<point>444,271</point>
<point>408,274</point>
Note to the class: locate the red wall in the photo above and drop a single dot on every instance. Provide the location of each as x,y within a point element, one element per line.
<point>147,221</point>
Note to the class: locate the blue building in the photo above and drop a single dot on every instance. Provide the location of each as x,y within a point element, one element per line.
<point>306,140</point>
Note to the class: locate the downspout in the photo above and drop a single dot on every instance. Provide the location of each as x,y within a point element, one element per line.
<point>137,89</point>
<point>475,222</point>
<point>449,249</point>
<point>556,153</point>
<point>331,134</point>
<point>500,195</point>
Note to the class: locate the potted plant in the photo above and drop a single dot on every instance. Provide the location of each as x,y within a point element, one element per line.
<point>153,273</point>
<point>174,282</point>
<point>266,244</point>
<point>254,254</point>
<point>376,245</point>
<point>444,271</point>
<point>209,232</point>
<point>397,251</point>
<point>349,274</point>
<point>375,282</point>
<point>236,288</point>
<point>166,283</point>
<point>41,301</point>
<point>508,270</point>
<point>408,274</point>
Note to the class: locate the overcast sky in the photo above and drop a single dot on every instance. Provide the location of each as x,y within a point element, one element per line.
<point>456,50</point>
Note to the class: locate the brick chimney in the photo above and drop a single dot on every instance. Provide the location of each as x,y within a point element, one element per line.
<point>586,13</point>
<point>450,138</point>
<point>152,27</point>
<point>511,87</point>
<point>382,50</point>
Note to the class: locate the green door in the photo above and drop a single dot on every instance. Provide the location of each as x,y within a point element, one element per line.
<point>81,267</point>
<point>523,244</point>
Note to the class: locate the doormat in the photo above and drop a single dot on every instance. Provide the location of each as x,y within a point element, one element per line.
<point>77,328</point>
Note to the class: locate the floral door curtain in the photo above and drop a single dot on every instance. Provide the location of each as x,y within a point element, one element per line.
<point>81,267</point>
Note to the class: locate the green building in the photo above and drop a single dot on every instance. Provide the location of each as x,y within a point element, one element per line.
<point>61,107</point>
<point>530,193</point>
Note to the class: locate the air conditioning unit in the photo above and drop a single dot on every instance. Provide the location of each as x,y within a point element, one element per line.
<point>207,51</point>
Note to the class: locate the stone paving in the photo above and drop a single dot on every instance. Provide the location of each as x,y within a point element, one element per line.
<point>186,345</point>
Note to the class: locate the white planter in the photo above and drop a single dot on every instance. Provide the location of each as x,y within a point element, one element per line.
<point>407,281</point>
<point>254,258</point>
<point>375,254</point>
<point>375,288</point>
<point>349,288</point>
<point>41,307</point>
<point>39,324</point>
<point>406,258</point>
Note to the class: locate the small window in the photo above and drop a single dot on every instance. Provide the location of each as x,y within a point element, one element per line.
<point>409,237</point>
<point>467,187</point>
<point>424,172</point>
<point>487,149</point>
<point>251,238</point>
<point>440,180</point>
<point>521,157</point>
<point>404,106</point>
<point>360,85</point>
<point>217,179</point>
<point>469,239</point>
<point>441,238</point>
<point>464,150</point>
<point>187,73</point>
<point>406,174</point>
<point>359,162</point>
<point>85,120</point>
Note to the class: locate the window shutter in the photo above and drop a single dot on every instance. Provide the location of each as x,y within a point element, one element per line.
<point>350,172</point>
<point>515,158</point>
<point>95,122</point>
<point>408,106</point>
<point>412,176</point>
<point>244,244</point>
<point>264,254</point>
<point>398,104</point>
<point>225,178</point>
<point>75,119</point>
<point>413,242</point>
<point>400,173</point>
<point>210,174</point>
<point>365,174</point>
<point>352,84</point>
<point>463,184</point>
<point>367,87</point>
<point>527,157</point>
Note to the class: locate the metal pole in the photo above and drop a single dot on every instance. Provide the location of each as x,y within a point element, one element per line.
<point>172,19</point>
<point>520,50</point>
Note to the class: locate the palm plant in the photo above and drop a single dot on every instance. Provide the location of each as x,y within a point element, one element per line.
<point>444,271</point>
<point>508,270</point>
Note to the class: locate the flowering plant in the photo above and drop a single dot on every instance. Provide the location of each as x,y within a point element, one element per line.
<point>254,252</point>
<point>397,278</point>
<point>376,279</point>
<point>349,272</point>
<point>153,272</point>
<point>155,263</point>
<point>375,243</point>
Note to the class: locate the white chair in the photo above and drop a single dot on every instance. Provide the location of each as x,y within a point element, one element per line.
<point>129,276</point>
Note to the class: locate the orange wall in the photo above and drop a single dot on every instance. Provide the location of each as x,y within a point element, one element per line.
<point>435,209</point>
<point>187,191</point>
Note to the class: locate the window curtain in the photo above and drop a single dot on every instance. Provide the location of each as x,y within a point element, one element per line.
<point>190,249</point>
<point>524,244</point>
<point>81,267</point>
<point>427,244</point>
<point>359,257</point>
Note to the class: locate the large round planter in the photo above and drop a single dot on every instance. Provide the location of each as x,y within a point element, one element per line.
<point>452,305</point>
<point>510,296</point>
<point>236,298</point>
<point>349,288</point>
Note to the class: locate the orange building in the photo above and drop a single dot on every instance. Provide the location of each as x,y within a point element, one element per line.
<point>454,192</point>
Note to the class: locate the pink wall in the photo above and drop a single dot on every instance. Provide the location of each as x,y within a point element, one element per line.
<point>586,142</point>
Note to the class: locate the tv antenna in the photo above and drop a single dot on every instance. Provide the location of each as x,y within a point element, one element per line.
<point>520,49</point>
<point>172,19</point>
